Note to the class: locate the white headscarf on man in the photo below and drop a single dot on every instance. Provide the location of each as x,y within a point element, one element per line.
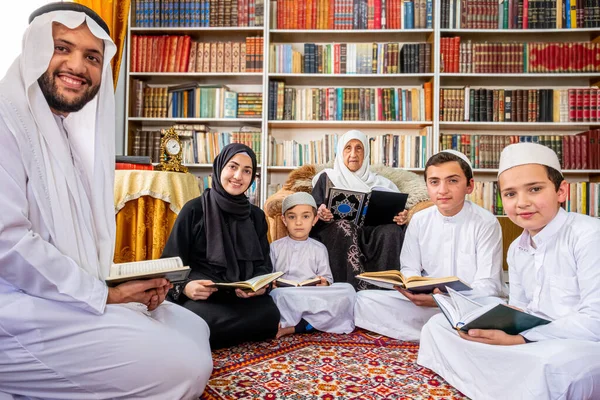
<point>363,179</point>
<point>46,156</point>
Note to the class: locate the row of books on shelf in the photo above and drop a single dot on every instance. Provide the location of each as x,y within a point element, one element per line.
<point>192,100</point>
<point>401,151</point>
<point>146,142</point>
<point>518,57</point>
<point>352,14</point>
<point>582,197</point>
<point>351,58</point>
<point>201,145</point>
<point>576,152</point>
<point>350,104</point>
<point>172,53</point>
<point>198,13</point>
<point>520,105</point>
<point>253,192</point>
<point>290,153</point>
<point>520,14</point>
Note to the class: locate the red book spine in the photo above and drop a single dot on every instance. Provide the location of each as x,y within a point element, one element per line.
<point>572,151</point>
<point>525,12</point>
<point>579,105</point>
<point>585,144</point>
<point>586,105</point>
<point>572,105</point>
<point>377,15</point>
<point>593,104</point>
<point>578,145</point>
<point>133,55</point>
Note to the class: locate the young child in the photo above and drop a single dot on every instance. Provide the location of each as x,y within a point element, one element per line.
<point>453,238</point>
<point>554,271</point>
<point>325,308</point>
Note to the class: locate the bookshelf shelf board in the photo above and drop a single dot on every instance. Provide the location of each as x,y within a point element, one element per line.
<point>520,126</point>
<point>186,30</point>
<point>347,31</point>
<point>208,121</point>
<point>364,36</point>
<point>521,31</point>
<point>564,171</point>
<point>523,75</point>
<point>293,167</point>
<point>374,80</point>
<point>346,124</point>
<point>173,78</point>
<point>338,76</point>
<point>195,74</point>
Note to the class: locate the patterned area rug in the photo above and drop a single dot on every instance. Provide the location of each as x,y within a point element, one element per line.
<point>360,365</point>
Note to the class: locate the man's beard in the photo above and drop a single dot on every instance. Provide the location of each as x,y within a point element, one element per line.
<point>58,102</point>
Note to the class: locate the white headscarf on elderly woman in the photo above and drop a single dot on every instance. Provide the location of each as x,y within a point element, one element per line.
<point>77,211</point>
<point>363,179</point>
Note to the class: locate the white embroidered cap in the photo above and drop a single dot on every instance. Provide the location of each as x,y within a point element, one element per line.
<point>296,199</point>
<point>459,155</point>
<point>527,153</point>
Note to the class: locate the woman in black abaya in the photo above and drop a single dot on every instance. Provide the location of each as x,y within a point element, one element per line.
<point>223,238</point>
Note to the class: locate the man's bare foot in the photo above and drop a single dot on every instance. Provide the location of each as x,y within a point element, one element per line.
<point>285,331</point>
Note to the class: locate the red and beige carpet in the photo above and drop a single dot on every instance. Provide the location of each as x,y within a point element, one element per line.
<point>360,365</point>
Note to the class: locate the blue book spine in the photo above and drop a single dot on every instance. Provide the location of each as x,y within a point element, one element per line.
<point>340,104</point>
<point>429,14</point>
<point>396,105</point>
<point>176,13</point>
<point>409,18</point>
<point>403,105</point>
<point>197,14</point>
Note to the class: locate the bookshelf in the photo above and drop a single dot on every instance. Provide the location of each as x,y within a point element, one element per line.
<point>305,131</point>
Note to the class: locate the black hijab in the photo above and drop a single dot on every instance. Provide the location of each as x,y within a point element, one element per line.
<point>231,239</point>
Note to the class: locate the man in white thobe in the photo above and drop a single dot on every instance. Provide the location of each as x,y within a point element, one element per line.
<point>63,333</point>
<point>452,238</point>
<point>554,270</point>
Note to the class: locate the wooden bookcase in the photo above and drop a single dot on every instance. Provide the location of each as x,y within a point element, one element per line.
<point>303,131</point>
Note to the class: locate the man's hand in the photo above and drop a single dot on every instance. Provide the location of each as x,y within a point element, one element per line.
<point>401,218</point>
<point>323,282</point>
<point>492,336</point>
<point>421,300</point>
<point>150,292</point>
<point>324,213</point>
<point>199,289</point>
<point>246,295</point>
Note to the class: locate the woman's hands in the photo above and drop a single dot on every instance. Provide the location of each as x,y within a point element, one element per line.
<point>324,214</point>
<point>151,292</point>
<point>246,295</point>
<point>199,289</point>
<point>401,218</point>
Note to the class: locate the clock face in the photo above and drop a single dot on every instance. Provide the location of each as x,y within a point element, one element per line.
<point>172,147</point>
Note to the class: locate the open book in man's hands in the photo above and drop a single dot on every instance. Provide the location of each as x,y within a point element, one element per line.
<point>464,314</point>
<point>414,284</point>
<point>254,284</point>
<point>171,269</point>
<point>281,283</point>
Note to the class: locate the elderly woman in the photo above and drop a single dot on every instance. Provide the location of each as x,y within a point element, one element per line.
<point>353,249</point>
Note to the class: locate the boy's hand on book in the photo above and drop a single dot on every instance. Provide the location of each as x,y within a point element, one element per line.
<point>324,213</point>
<point>323,281</point>
<point>199,289</point>
<point>246,295</point>
<point>401,218</point>
<point>421,300</point>
<point>492,336</point>
<point>139,291</point>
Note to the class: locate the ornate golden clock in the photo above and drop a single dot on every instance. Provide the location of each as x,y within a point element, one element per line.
<point>170,150</point>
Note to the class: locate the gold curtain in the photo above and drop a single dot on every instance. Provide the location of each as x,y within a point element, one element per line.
<point>115,13</point>
<point>143,227</point>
